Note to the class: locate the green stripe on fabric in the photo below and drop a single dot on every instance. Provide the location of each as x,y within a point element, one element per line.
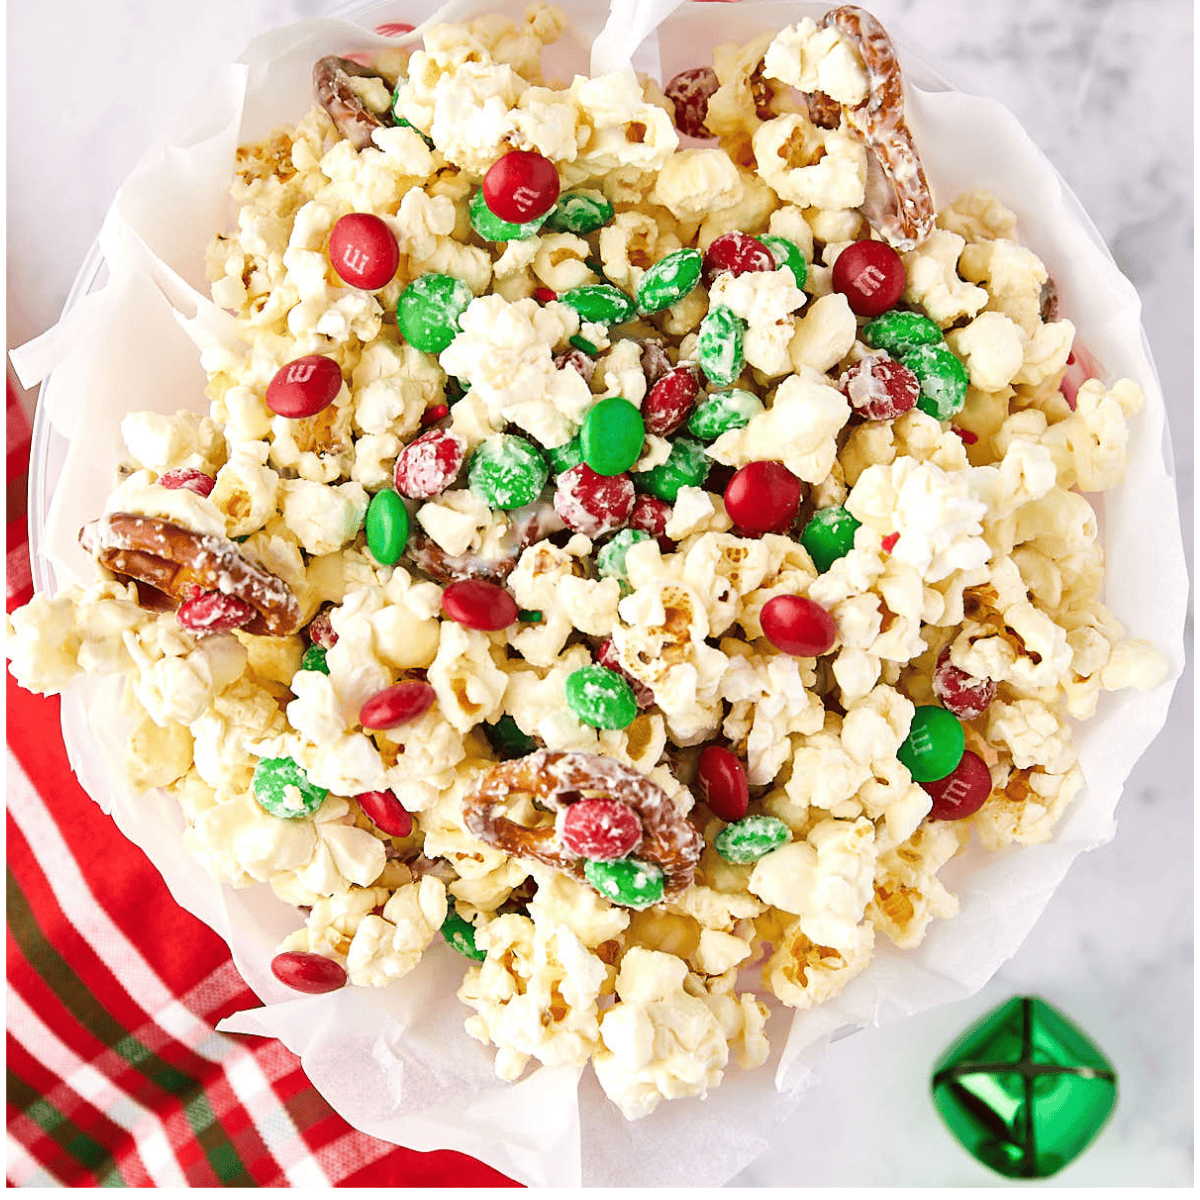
<point>83,1148</point>
<point>58,976</point>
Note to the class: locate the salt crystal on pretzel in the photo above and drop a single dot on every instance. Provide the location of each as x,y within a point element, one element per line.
<point>172,560</point>
<point>899,203</point>
<point>668,838</point>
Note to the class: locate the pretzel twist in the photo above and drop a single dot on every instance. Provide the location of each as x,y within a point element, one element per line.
<point>899,202</point>
<point>331,86</point>
<point>174,561</point>
<point>557,778</point>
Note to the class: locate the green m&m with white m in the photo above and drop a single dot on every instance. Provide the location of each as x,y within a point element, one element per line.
<point>935,744</point>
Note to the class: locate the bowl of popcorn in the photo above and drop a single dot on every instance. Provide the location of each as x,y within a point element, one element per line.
<point>616,570</point>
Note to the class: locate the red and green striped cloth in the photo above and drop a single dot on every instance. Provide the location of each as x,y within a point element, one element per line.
<point>117,1076</point>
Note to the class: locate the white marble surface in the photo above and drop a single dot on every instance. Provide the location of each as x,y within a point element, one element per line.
<point>1104,87</point>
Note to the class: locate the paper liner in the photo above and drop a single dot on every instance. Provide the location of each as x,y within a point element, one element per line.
<point>396,1062</point>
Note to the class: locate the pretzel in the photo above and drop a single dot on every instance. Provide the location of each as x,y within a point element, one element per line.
<point>899,203</point>
<point>174,561</point>
<point>557,778</point>
<point>526,526</point>
<point>331,86</point>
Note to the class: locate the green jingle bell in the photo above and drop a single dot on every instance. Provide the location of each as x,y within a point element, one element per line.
<point>1024,1090</point>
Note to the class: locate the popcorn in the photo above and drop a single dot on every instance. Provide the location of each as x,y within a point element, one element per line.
<point>973,538</point>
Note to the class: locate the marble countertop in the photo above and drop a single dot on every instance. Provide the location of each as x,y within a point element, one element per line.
<point>1104,87</point>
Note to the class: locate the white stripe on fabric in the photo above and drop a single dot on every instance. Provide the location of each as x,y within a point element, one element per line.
<point>123,959</point>
<point>25,1170</point>
<point>98,1090</point>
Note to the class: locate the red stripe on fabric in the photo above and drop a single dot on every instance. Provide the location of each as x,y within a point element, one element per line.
<point>436,1168</point>
<point>182,948</point>
<point>86,1117</point>
<point>18,576</point>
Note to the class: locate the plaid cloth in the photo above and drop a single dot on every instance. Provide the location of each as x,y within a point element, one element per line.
<point>117,1076</point>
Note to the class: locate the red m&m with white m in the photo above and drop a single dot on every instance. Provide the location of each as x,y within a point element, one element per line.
<point>871,277</point>
<point>521,186</point>
<point>305,386</point>
<point>363,251</point>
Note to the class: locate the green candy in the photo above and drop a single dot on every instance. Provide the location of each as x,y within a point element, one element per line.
<point>897,331</point>
<point>669,280</point>
<point>314,660</point>
<point>1024,1089</point>
<point>786,254</point>
<point>610,561</point>
<point>612,436</point>
<point>935,744</point>
<point>507,472</point>
<point>563,458</point>
<point>282,789</point>
<point>493,228</point>
<point>402,120</point>
<point>387,526</point>
<point>829,535</point>
<point>507,738</point>
<point>626,881</point>
<point>747,840</point>
<point>460,933</point>
<point>943,379</point>
<point>600,304</point>
<point>533,616</point>
<point>720,355</point>
<point>600,697</point>
<point>582,344</point>
<point>688,466</point>
<point>579,212</point>
<point>429,309</point>
<point>723,411</point>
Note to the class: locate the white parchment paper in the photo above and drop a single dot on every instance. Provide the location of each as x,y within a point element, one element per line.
<point>396,1062</point>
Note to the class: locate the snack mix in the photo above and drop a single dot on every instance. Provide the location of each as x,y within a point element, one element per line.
<point>637,537</point>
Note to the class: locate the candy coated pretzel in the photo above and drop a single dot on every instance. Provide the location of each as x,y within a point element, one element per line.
<point>175,561</point>
<point>331,85</point>
<point>900,205</point>
<point>556,778</point>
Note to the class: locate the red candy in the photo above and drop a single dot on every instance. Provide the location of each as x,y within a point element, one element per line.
<point>428,465</point>
<point>669,401</point>
<point>304,972</point>
<point>871,277</point>
<point>762,497</point>
<point>304,386</point>
<point>320,630</point>
<point>964,695</point>
<point>576,359</point>
<point>722,784</point>
<point>386,812</point>
<point>968,438</point>
<point>433,414</point>
<point>544,295</point>
<point>655,363</point>
<point>478,604</point>
<point>880,388</point>
<point>593,504</point>
<point>402,702</point>
<point>1081,366</point>
<point>689,91</point>
<point>737,253</point>
<point>888,544</point>
<point>601,829</point>
<point>606,656</point>
<point>363,251</point>
<point>650,514</point>
<point>962,792</point>
<point>214,612</point>
<point>189,478</point>
<point>520,186</point>
<point>798,625</point>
